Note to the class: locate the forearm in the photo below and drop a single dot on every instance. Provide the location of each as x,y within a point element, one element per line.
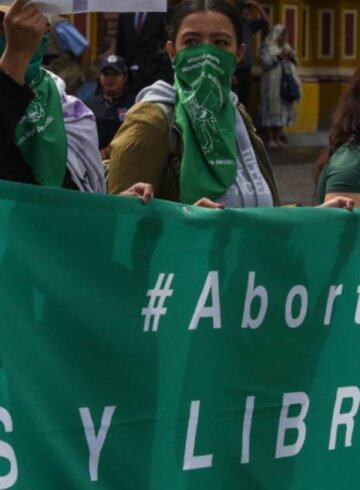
<point>24,28</point>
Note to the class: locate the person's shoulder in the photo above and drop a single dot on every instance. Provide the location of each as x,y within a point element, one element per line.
<point>143,121</point>
<point>342,173</point>
<point>346,154</point>
<point>345,163</point>
<point>145,126</point>
<point>354,148</point>
<point>150,113</point>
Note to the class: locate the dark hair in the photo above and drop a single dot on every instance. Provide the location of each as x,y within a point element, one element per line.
<point>187,7</point>
<point>345,125</point>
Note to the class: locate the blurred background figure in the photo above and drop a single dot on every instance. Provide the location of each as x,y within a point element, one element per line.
<point>141,41</point>
<point>68,55</point>
<point>112,100</point>
<point>278,59</point>
<point>251,26</point>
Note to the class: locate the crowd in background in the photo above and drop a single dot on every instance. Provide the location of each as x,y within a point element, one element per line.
<point>137,116</point>
<point>142,60</point>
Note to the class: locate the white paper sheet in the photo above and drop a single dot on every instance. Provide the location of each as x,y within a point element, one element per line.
<point>77,6</point>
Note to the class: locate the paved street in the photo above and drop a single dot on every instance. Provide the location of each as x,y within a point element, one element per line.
<point>293,167</point>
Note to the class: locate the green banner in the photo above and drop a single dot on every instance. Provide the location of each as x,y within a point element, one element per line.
<point>166,347</point>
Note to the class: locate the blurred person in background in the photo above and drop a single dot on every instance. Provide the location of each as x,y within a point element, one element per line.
<point>112,100</point>
<point>251,26</point>
<point>278,59</point>
<point>141,41</point>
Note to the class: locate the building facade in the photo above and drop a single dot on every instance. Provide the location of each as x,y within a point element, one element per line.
<point>324,33</point>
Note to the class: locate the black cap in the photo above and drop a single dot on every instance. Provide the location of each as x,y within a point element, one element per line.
<point>117,63</point>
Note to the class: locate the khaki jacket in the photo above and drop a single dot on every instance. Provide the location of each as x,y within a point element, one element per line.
<point>147,148</point>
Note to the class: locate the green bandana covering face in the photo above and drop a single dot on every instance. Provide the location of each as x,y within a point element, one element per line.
<point>40,135</point>
<point>206,116</point>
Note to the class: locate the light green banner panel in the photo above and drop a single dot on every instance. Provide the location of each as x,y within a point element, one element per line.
<point>165,347</point>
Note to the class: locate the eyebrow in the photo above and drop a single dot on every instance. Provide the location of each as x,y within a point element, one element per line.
<point>190,33</point>
<point>221,33</point>
<point>212,34</point>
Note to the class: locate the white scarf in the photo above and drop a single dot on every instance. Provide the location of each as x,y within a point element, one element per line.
<point>84,159</point>
<point>250,188</point>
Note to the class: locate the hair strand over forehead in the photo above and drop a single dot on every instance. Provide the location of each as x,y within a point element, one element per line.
<point>188,7</point>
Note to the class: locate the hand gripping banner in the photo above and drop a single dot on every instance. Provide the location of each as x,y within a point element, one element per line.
<point>167,347</point>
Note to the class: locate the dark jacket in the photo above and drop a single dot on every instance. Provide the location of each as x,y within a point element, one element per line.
<point>14,100</point>
<point>146,49</point>
<point>109,114</point>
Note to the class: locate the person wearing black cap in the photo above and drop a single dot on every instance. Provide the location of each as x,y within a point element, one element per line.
<point>112,101</point>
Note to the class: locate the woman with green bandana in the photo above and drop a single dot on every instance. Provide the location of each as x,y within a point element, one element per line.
<point>193,140</point>
<point>47,137</point>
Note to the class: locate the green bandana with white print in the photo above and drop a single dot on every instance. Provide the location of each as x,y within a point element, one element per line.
<point>206,117</point>
<point>40,135</point>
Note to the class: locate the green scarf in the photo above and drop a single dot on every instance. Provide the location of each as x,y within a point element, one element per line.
<point>40,135</point>
<point>206,117</point>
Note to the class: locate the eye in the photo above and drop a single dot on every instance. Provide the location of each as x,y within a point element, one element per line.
<point>221,43</point>
<point>191,41</point>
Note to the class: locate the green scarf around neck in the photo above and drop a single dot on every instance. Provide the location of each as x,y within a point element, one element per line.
<point>40,135</point>
<point>205,115</point>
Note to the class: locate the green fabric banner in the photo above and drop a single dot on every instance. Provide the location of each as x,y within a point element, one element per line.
<point>166,347</point>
